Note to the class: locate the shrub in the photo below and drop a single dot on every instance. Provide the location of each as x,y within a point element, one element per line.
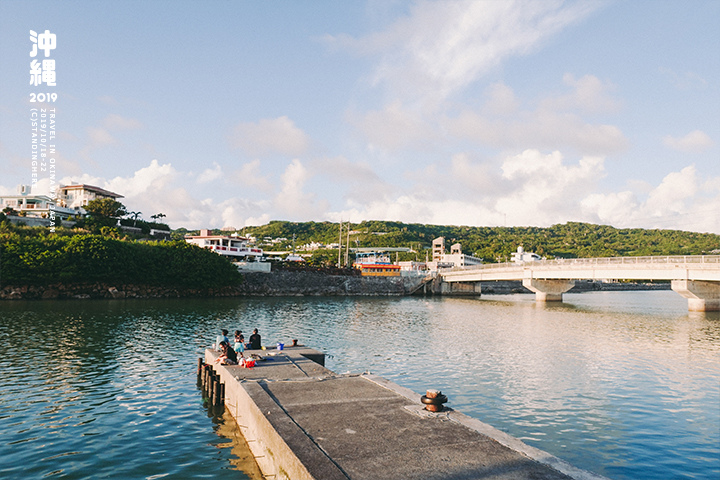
<point>46,259</point>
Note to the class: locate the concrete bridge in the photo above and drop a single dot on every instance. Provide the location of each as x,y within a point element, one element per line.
<point>695,277</point>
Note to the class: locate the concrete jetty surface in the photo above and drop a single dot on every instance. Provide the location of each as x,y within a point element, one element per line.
<point>303,421</point>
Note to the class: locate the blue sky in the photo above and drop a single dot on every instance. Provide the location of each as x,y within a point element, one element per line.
<point>479,113</point>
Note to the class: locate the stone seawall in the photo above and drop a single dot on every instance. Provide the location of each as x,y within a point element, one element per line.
<point>254,284</point>
<point>281,283</point>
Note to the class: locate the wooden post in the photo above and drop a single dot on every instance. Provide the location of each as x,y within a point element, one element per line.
<point>199,370</point>
<point>216,392</point>
<point>211,387</point>
<point>206,381</point>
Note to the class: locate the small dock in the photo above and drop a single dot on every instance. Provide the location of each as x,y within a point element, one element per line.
<point>303,422</point>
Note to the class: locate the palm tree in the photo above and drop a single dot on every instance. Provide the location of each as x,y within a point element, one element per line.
<point>135,216</point>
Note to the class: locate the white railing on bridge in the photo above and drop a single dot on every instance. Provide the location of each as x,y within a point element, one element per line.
<point>694,260</point>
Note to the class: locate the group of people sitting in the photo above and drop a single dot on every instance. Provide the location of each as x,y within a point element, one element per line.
<point>229,354</point>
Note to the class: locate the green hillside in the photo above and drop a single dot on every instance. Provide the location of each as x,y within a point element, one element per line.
<point>569,240</point>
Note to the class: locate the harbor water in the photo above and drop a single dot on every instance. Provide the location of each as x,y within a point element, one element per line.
<point>624,384</point>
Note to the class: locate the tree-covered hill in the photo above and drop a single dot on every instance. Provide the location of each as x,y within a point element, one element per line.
<point>31,256</point>
<point>569,240</point>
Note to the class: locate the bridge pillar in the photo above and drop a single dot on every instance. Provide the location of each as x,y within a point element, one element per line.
<point>702,296</point>
<point>460,288</point>
<point>548,290</point>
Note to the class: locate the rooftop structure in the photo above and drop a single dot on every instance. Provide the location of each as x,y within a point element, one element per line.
<point>228,245</point>
<point>521,256</point>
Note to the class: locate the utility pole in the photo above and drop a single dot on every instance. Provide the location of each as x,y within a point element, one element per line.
<point>347,246</point>
<point>340,246</point>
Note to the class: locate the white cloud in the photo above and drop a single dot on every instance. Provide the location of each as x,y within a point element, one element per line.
<point>694,142</point>
<point>555,123</point>
<point>500,100</point>
<point>589,95</point>
<point>672,193</point>
<point>154,177</point>
<point>210,174</point>
<point>99,137</point>
<point>238,213</point>
<point>269,136</point>
<point>616,208</point>
<point>393,128</point>
<point>358,181</point>
<point>442,47</point>
<point>292,200</point>
<point>680,201</point>
<point>160,188</point>
<point>545,188</point>
<point>117,122</point>
<point>538,129</point>
<point>685,81</point>
<point>534,189</point>
<point>249,174</point>
<point>414,209</point>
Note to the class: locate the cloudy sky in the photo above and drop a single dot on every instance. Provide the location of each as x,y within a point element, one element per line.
<point>517,113</point>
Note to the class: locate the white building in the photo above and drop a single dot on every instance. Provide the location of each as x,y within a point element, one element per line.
<point>521,256</point>
<point>40,206</point>
<point>228,245</point>
<point>410,268</point>
<point>78,196</point>
<point>455,258</point>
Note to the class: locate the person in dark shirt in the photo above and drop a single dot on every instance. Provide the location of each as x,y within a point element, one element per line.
<point>228,355</point>
<point>255,340</point>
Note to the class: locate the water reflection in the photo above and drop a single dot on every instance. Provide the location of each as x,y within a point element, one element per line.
<point>626,384</point>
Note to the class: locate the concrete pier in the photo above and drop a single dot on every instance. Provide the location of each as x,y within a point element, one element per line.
<point>702,296</point>
<point>303,421</point>
<point>548,290</point>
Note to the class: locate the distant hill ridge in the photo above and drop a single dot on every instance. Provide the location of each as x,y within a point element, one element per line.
<point>569,240</point>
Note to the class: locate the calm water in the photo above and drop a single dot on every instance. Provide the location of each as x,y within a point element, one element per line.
<point>626,384</point>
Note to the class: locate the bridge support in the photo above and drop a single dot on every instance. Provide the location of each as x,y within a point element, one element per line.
<point>460,288</point>
<point>548,290</point>
<point>702,296</point>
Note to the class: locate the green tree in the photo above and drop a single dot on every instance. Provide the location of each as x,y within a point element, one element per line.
<point>105,207</point>
<point>104,212</point>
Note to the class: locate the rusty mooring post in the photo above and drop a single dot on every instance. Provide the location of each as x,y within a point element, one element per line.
<point>433,400</point>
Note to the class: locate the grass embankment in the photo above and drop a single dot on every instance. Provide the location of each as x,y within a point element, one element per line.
<point>51,259</point>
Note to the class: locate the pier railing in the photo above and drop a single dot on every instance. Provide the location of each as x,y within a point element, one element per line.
<point>711,261</point>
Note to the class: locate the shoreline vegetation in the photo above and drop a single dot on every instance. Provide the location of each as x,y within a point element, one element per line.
<point>76,263</point>
<point>46,260</point>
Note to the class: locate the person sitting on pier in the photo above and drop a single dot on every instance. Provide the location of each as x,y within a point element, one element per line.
<point>228,355</point>
<point>239,344</point>
<point>255,341</point>
<point>221,338</point>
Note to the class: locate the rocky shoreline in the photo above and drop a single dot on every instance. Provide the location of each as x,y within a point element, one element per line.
<point>254,284</point>
<point>281,284</point>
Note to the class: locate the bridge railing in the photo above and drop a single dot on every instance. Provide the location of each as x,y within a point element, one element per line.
<point>694,260</point>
